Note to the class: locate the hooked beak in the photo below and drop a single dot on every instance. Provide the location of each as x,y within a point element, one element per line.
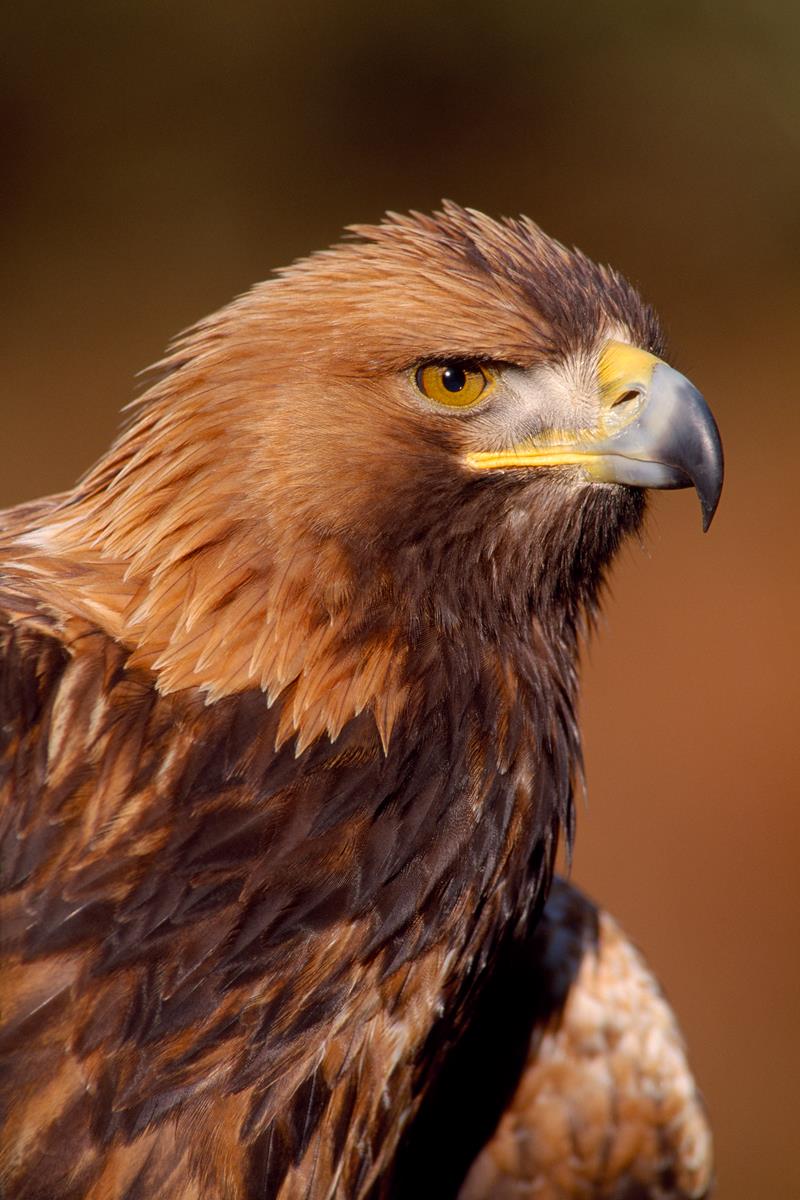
<point>654,430</point>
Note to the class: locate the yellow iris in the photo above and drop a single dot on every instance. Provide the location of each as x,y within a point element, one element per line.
<point>455,384</point>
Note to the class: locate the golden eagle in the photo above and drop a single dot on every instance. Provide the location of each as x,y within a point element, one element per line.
<point>288,704</point>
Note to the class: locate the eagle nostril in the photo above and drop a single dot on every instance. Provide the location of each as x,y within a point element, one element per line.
<point>631,394</point>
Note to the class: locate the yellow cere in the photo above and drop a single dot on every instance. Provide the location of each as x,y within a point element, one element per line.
<point>623,368</point>
<point>623,373</point>
<point>455,384</point>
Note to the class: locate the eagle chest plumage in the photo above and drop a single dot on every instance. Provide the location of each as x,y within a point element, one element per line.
<point>274,941</point>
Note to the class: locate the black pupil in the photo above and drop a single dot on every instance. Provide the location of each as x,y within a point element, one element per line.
<point>454,378</point>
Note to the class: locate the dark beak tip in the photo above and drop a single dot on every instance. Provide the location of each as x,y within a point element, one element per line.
<point>709,491</point>
<point>709,488</point>
<point>704,458</point>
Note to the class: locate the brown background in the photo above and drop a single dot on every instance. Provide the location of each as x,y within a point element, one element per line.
<point>157,158</point>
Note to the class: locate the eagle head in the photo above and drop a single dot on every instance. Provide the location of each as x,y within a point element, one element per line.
<point>444,424</point>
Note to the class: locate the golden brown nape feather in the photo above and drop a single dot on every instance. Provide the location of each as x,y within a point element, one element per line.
<point>288,693</point>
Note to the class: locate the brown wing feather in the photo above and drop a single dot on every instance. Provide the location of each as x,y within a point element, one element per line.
<point>606,1105</point>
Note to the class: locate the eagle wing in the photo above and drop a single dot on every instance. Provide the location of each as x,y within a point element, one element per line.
<point>605,1105</point>
<point>571,1082</point>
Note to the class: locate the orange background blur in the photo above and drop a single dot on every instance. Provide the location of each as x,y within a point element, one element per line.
<point>156,159</point>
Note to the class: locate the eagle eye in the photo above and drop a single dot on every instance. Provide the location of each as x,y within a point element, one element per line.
<point>455,384</point>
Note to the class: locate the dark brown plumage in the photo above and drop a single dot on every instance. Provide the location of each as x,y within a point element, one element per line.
<point>288,693</point>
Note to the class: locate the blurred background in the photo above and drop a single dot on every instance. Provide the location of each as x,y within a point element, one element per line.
<point>155,159</point>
